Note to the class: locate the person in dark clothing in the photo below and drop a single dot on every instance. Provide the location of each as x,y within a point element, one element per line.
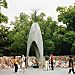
<point>26,61</point>
<point>15,64</point>
<point>71,66</point>
<point>51,59</point>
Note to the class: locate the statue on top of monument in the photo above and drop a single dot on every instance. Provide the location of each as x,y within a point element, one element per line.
<point>35,11</point>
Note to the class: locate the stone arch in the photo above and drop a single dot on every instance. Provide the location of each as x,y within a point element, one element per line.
<point>34,51</point>
<point>35,36</point>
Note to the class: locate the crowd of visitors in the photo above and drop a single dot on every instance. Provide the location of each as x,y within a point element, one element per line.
<point>49,62</point>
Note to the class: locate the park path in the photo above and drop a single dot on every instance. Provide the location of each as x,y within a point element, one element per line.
<point>35,71</point>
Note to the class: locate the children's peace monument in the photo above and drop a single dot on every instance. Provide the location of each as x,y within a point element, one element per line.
<point>35,41</point>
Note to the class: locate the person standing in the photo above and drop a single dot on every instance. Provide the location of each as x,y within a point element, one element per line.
<point>26,62</point>
<point>52,61</point>
<point>71,65</point>
<point>23,63</point>
<point>15,64</point>
<point>46,63</point>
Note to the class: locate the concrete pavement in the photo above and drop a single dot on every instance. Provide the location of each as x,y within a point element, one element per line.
<point>35,71</point>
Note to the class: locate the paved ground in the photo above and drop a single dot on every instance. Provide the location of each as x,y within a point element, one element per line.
<point>36,71</point>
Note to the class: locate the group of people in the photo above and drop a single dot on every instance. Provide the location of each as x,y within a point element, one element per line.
<point>49,62</point>
<point>23,62</point>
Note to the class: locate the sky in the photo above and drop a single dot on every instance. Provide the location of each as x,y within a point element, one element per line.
<point>15,7</point>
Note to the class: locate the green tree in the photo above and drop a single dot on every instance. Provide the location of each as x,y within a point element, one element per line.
<point>3,18</point>
<point>67,16</point>
<point>58,38</point>
<point>70,39</point>
<point>47,27</point>
<point>3,29</point>
<point>4,43</point>
<point>19,34</point>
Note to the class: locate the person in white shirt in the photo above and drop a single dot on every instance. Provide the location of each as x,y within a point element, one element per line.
<point>23,63</point>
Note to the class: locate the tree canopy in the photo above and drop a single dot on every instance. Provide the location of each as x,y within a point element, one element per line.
<point>58,40</point>
<point>67,16</point>
<point>3,18</point>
